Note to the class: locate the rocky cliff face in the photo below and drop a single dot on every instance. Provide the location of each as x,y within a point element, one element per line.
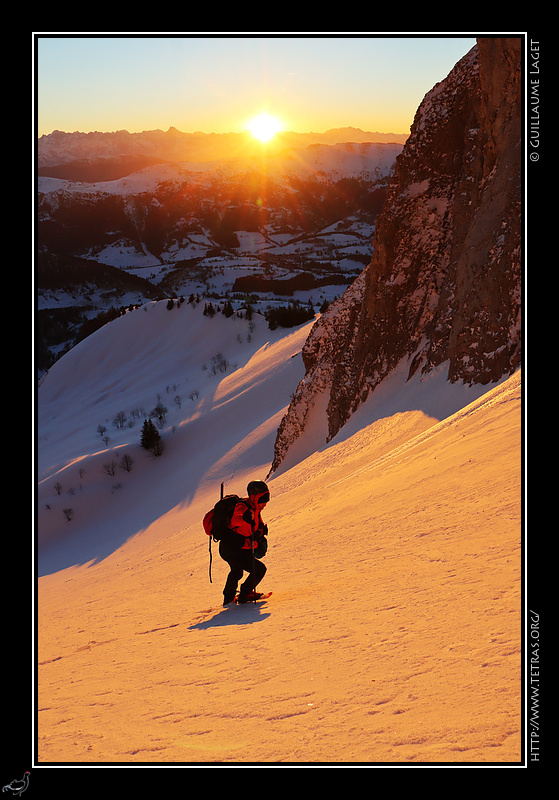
<point>444,283</point>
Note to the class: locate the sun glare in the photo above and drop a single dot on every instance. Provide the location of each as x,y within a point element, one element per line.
<point>264,127</point>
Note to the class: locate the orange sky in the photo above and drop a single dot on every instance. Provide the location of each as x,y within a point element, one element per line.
<point>90,82</point>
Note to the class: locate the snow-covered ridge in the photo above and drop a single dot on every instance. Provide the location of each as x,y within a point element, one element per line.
<point>60,147</point>
<point>194,365</point>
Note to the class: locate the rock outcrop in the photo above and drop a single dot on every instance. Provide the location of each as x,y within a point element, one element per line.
<point>444,282</point>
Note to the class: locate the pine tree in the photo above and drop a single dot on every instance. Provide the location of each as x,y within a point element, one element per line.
<point>228,309</point>
<point>151,439</point>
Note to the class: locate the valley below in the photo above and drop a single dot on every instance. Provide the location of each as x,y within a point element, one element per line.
<point>292,232</point>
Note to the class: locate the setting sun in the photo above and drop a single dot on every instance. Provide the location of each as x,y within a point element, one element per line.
<point>264,127</point>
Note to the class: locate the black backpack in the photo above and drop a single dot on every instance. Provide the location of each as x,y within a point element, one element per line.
<point>217,520</point>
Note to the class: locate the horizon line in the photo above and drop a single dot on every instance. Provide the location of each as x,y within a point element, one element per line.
<point>226,133</point>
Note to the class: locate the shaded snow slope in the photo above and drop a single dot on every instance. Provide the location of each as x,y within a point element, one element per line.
<point>233,379</point>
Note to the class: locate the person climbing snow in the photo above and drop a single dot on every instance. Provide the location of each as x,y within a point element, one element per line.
<point>243,543</point>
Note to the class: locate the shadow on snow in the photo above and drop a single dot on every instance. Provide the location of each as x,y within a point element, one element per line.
<point>232,615</point>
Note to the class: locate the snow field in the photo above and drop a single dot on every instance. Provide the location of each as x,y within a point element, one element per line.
<point>393,632</point>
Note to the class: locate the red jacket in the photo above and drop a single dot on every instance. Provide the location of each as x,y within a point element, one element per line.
<point>246,520</point>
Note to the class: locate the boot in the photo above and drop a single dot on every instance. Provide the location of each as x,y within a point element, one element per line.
<point>247,598</point>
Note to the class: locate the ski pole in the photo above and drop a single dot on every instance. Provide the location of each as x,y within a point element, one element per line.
<point>210,544</point>
<point>252,548</point>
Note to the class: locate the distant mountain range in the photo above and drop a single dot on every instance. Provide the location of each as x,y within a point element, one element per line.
<point>84,156</point>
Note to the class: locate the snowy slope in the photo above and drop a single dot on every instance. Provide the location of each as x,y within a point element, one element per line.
<point>393,633</point>
<point>229,424</point>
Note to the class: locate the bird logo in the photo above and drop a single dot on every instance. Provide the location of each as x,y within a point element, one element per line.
<point>17,787</point>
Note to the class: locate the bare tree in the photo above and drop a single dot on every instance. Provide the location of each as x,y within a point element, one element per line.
<point>120,420</point>
<point>126,463</point>
<point>159,412</point>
